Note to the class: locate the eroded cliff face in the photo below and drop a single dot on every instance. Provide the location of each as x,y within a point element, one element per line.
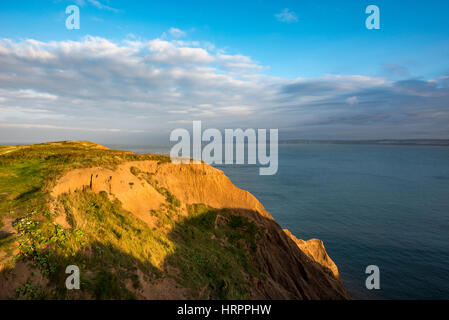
<point>291,268</point>
<point>191,184</point>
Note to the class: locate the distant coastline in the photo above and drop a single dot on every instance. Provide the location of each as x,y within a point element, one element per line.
<point>400,142</point>
<point>164,149</point>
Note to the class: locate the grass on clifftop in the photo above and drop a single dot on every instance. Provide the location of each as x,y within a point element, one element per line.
<point>28,172</point>
<point>210,249</point>
<point>109,244</point>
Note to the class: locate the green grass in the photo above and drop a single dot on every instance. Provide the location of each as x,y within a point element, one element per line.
<point>212,249</point>
<point>105,241</point>
<point>215,261</point>
<point>218,259</point>
<point>111,244</point>
<point>28,173</point>
<point>29,291</point>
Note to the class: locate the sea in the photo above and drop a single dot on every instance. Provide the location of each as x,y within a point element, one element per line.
<point>382,205</point>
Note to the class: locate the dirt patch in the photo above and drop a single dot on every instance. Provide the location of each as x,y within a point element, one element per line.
<point>136,195</point>
<point>163,289</point>
<point>8,229</point>
<point>11,279</point>
<point>61,217</point>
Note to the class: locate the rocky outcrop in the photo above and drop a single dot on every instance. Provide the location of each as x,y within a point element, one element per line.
<point>314,249</point>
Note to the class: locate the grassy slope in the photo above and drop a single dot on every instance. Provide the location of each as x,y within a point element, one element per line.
<point>27,173</point>
<point>108,243</point>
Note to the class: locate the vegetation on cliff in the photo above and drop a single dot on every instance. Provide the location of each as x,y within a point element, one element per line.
<point>74,203</point>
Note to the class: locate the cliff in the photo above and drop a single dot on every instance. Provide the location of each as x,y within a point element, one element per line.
<point>142,227</point>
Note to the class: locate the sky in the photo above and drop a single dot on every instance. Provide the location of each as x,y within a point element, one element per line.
<point>135,70</point>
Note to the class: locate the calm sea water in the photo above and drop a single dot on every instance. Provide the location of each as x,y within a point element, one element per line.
<point>371,205</point>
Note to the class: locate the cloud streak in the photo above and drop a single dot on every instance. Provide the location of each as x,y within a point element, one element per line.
<point>287,16</point>
<point>177,33</point>
<point>102,6</point>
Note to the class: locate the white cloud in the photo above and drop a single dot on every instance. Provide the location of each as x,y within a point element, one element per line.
<point>352,100</point>
<point>177,33</point>
<point>20,109</point>
<point>287,16</point>
<point>238,62</point>
<point>56,127</point>
<point>97,81</point>
<point>168,52</point>
<point>102,6</point>
<point>237,110</point>
<point>80,3</point>
<point>137,86</point>
<point>32,94</point>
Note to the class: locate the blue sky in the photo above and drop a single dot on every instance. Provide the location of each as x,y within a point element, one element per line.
<point>329,36</point>
<point>398,73</point>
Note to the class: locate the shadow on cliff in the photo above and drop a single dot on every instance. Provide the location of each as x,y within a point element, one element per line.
<point>217,254</point>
